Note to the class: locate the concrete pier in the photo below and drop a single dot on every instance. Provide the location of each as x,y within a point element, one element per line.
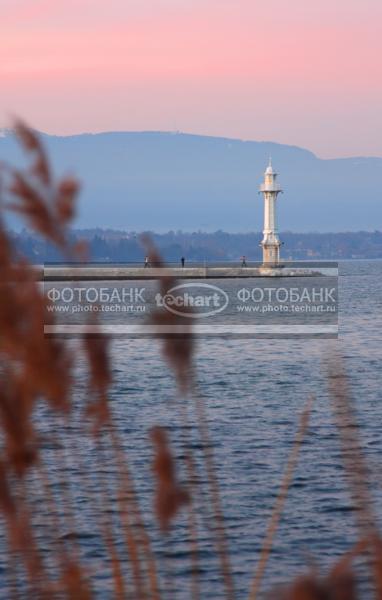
<point>105,273</point>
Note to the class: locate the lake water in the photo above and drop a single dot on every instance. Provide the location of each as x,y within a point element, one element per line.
<point>254,391</point>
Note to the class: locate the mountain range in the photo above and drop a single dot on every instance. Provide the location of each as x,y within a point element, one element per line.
<point>162,181</point>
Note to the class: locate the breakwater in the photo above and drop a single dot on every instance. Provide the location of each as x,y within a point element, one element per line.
<point>105,272</point>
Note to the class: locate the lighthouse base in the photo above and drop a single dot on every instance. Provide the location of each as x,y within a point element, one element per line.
<point>271,255</point>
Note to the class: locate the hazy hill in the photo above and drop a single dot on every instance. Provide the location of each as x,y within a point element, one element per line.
<point>163,181</point>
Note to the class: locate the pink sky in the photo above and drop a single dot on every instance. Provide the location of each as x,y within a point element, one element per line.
<point>301,72</point>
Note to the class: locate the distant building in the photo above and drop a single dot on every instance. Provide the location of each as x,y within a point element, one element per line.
<point>270,242</point>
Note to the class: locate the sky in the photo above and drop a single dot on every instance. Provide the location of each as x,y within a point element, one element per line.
<point>300,72</point>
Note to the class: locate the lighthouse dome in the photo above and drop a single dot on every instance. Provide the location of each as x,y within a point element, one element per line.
<point>269,170</point>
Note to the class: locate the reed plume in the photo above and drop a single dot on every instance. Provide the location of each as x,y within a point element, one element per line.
<point>38,377</point>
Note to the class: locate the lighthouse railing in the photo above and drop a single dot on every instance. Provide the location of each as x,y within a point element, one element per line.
<point>270,187</point>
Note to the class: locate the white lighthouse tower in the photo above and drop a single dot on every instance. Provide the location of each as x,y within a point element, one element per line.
<point>270,242</point>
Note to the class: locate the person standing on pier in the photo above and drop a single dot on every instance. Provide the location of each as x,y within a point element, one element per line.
<point>147,262</point>
<point>243,261</point>
<point>182,260</point>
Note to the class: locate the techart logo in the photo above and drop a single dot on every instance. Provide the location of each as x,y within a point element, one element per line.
<point>193,300</point>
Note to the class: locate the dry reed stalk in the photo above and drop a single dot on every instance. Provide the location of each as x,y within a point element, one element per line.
<point>280,501</point>
<point>312,588</point>
<point>133,526</point>
<point>48,207</point>
<point>129,505</point>
<point>192,521</point>
<point>355,465</point>
<point>170,496</point>
<point>344,563</point>
<point>47,372</point>
<point>32,367</point>
<point>178,351</point>
<point>221,538</point>
<point>101,496</point>
<point>59,552</point>
<point>23,543</point>
<point>98,412</point>
<point>352,455</point>
<point>121,590</point>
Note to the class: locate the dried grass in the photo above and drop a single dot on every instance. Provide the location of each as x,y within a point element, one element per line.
<point>38,370</point>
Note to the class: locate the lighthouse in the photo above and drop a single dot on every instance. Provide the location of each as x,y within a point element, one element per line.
<point>270,242</point>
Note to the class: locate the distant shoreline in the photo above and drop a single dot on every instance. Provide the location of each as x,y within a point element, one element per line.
<point>112,246</point>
